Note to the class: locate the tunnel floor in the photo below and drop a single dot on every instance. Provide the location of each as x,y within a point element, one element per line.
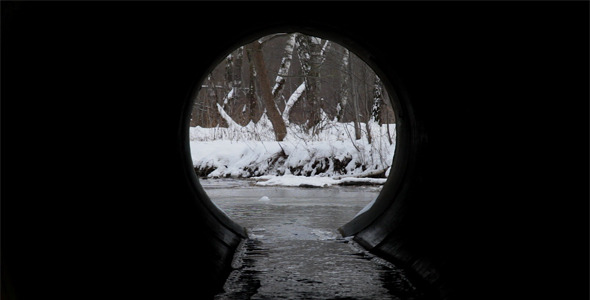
<point>294,251</point>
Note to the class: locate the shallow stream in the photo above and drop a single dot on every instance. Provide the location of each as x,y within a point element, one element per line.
<point>294,250</point>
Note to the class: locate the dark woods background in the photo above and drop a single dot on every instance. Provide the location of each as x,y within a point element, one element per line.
<point>339,85</point>
<point>93,174</point>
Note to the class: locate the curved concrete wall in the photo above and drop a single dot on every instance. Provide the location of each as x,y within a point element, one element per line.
<point>99,198</point>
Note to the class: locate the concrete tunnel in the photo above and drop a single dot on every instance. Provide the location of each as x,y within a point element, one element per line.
<point>464,178</point>
<point>375,229</point>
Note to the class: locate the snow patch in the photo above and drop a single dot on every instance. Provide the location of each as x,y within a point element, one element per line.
<point>312,181</point>
<point>292,180</point>
<point>324,235</point>
<point>251,151</point>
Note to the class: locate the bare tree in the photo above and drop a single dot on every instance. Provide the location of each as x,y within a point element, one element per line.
<point>313,78</point>
<point>271,109</point>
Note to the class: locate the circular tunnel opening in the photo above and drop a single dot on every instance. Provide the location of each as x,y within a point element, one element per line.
<point>306,123</point>
<point>316,116</point>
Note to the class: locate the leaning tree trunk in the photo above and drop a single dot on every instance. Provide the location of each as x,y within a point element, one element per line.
<point>271,109</point>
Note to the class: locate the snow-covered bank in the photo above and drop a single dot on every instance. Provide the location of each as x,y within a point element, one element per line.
<point>250,151</point>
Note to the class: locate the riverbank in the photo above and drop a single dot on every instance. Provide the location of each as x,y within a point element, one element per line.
<point>332,157</point>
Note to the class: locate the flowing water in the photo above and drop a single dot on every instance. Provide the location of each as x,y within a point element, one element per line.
<point>294,250</point>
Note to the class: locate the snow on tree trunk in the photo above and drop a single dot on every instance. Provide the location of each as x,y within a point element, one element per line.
<point>229,96</point>
<point>292,100</point>
<point>311,56</point>
<point>303,42</point>
<point>285,65</point>
<point>271,109</point>
<point>302,87</point>
<point>324,49</point>
<point>230,122</point>
<point>233,76</point>
<point>377,100</point>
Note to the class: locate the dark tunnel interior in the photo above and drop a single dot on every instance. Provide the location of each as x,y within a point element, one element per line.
<point>487,198</point>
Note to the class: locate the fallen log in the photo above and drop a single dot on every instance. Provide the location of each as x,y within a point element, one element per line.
<point>367,174</point>
<point>361,181</point>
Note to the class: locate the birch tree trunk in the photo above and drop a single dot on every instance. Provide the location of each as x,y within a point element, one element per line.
<point>272,111</point>
<point>302,87</point>
<point>285,66</point>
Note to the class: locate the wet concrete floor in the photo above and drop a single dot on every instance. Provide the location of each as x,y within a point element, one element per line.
<point>294,250</point>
